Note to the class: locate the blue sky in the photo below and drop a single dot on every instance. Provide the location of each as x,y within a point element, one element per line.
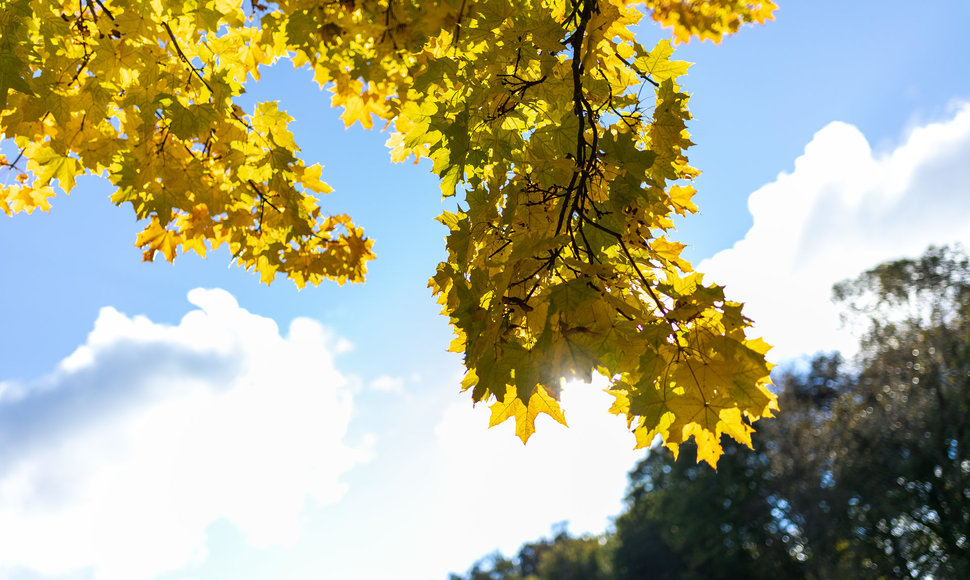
<point>152,430</point>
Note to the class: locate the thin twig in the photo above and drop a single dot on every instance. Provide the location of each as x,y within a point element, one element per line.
<point>185,59</point>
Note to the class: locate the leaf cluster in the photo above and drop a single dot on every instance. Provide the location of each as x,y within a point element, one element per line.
<point>564,136</point>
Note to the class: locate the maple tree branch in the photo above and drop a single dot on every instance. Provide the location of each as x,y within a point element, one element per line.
<point>575,41</point>
<point>547,264</point>
<point>103,7</point>
<point>94,13</point>
<point>565,202</point>
<point>84,63</point>
<point>255,6</point>
<point>619,238</point>
<point>461,14</point>
<point>582,231</point>
<point>500,248</point>
<point>185,59</point>
<point>263,198</point>
<point>646,283</point>
<point>387,25</point>
<point>520,85</point>
<point>583,111</point>
<point>633,67</point>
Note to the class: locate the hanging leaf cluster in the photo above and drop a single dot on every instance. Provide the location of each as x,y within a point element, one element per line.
<point>562,135</point>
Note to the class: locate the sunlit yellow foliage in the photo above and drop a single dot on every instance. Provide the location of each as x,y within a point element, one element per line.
<point>709,19</point>
<point>564,136</point>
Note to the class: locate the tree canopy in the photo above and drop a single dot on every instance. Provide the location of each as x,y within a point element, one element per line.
<point>563,135</point>
<point>564,557</point>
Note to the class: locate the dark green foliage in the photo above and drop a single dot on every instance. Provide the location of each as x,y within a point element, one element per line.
<point>904,441</point>
<point>564,557</point>
<point>687,521</point>
<point>762,514</point>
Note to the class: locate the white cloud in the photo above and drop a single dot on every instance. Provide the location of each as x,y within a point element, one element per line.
<point>147,434</point>
<point>842,211</point>
<point>388,384</point>
<point>508,493</point>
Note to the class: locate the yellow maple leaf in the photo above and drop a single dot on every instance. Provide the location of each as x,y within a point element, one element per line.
<point>26,198</point>
<point>47,164</point>
<point>680,198</point>
<point>358,108</point>
<point>512,406</point>
<point>709,19</point>
<point>670,252</point>
<point>310,178</point>
<point>157,238</point>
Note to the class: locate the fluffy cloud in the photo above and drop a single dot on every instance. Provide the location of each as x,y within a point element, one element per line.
<point>841,211</point>
<point>144,436</point>
<point>508,493</point>
<point>388,384</point>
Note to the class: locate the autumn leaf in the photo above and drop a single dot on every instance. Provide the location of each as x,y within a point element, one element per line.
<point>11,71</point>
<point>525,412</point>
<point>156,238</point>
<point>709,19</point>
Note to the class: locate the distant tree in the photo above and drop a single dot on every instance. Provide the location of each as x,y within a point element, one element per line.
<point>865,474</point>
<point>902,437</point>
<point>684,521</point>
<point>570,558</point>
<point>564,557</point>
<point>798,445</point>
<point>495,566</point>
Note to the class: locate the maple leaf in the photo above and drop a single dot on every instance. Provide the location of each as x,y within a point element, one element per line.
<point>657,63</point>
<point>11,76</point>
<point>48,165</point>
<point>157,238</point>
<point>310,179</point>
<point>525,412</point>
